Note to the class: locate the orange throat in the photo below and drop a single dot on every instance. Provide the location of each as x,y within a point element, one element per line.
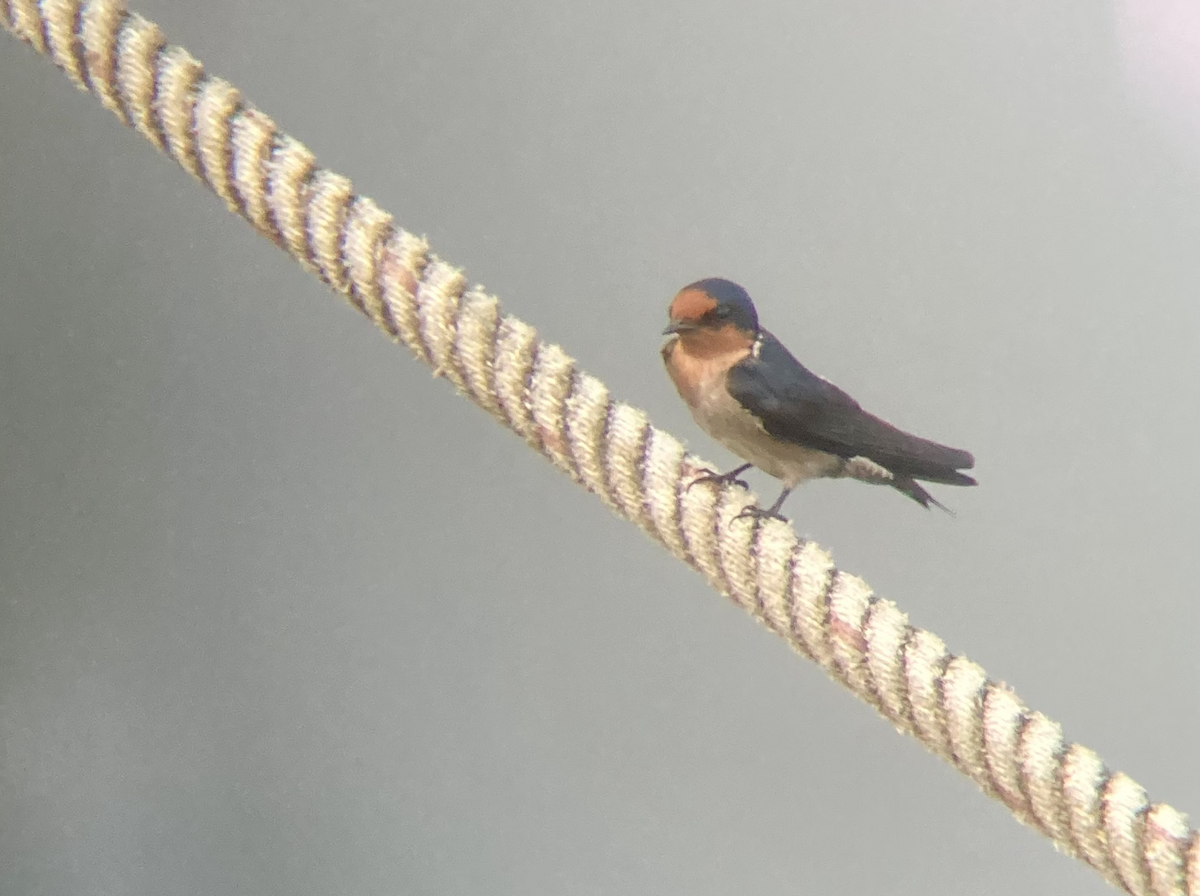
<point>698,361</point>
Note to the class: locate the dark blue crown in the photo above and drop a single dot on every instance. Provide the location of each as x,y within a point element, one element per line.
<point>733,301</point>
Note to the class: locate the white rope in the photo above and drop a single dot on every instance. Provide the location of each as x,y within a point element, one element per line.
<point>945,701</point>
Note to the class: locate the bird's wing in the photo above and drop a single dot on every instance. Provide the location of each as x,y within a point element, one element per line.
<point>795,405</point>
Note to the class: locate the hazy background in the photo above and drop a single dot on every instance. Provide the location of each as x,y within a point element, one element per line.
<point>280,614</point>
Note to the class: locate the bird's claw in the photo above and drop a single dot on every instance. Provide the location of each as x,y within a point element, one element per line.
<point>754,512</point>
<point>718,479</point>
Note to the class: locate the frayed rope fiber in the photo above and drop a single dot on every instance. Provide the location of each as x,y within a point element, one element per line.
<point>945,701</point>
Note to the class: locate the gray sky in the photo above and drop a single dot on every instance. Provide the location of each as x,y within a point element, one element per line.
<point>278,613</point>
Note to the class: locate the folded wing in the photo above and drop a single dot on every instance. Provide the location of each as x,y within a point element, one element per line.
<point>795,405</point>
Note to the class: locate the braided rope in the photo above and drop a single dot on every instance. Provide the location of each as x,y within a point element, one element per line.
<point>944,700</point>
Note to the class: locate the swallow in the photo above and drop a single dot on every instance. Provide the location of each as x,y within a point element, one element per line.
<point>747,391</point>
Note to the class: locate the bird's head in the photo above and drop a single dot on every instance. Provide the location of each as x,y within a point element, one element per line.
<point>713,308</point>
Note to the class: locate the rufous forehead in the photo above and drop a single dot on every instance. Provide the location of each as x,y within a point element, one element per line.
<point>691,304</point>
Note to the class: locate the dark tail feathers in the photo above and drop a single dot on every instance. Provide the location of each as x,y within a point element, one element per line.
<point>907,485</point>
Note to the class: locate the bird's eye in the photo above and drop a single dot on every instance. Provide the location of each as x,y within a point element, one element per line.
<point>721,311</point>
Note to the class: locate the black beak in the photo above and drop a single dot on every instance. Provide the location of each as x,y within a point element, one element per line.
<point>680,326</point>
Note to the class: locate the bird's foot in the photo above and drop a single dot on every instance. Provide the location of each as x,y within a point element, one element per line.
<point>733,477</point>
<point>754,512</point>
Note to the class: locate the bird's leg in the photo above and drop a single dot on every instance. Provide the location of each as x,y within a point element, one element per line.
<point>721,478</point>
<point>755,512</point>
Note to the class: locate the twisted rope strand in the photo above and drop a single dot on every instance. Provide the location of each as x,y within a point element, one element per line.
<point>640,472</point>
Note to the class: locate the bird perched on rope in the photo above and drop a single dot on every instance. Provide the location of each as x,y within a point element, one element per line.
<point>747,391</point>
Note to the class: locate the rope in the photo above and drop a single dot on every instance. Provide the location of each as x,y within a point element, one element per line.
<point>640,472</point>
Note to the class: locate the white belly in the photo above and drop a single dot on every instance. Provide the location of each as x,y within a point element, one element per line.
<point>740,431</point>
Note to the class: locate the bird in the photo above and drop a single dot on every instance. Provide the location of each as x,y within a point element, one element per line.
<point>747,391</point>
